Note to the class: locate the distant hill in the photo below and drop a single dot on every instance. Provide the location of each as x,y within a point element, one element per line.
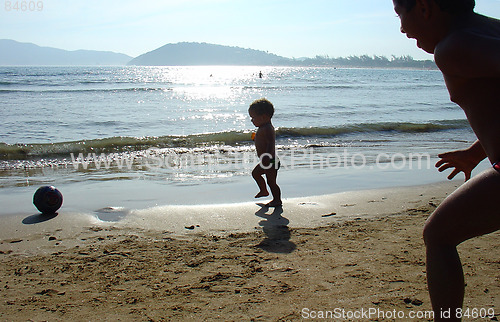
<point>189,53</point>
<point>16,53</point>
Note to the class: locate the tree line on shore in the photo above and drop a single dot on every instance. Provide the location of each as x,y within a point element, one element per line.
<point>366,61</point>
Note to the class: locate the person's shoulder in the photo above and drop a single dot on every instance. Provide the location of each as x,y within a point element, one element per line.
<point>447,53</point>
<point>267,128</point>
<point>466,46</point>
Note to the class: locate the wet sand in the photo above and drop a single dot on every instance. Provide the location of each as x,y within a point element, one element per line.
<point>349,251</point>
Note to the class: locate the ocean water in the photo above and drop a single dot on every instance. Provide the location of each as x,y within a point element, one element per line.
<point>183,133</point>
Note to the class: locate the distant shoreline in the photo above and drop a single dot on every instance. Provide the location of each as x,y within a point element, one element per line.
<point>311,66</point>
<point>18,54</point>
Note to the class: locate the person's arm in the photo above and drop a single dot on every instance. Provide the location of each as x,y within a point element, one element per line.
<point>469,55</point>
<point>462,160</point>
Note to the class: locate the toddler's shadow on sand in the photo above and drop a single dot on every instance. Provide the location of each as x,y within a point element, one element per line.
<point>275,226</point>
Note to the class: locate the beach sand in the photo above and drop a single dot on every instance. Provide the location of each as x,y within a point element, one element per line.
<point>350,251</point>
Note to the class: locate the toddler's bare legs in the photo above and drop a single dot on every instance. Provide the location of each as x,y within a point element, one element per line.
<point>472,210</point>
<point>257,174</point>
<point>271,175</point>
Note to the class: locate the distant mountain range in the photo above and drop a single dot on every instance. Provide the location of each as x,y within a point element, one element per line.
<point>185,54</point>
<point>17,53</point>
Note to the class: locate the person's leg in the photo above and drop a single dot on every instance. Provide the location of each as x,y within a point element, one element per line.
<point>472,210</point>
<point>271,176</point>
<point>257,174</point>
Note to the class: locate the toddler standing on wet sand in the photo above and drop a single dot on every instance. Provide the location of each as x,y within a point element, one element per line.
<point>261,111</point>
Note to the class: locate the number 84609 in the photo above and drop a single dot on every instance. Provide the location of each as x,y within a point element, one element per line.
<point>23,5</point>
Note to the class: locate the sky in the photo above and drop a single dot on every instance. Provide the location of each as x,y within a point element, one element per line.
<point>289,28</point>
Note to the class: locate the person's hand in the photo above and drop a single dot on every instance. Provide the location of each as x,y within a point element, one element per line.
<point>461,161</point>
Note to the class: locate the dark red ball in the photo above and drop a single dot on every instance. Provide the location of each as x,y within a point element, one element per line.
<point>47,199</point>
